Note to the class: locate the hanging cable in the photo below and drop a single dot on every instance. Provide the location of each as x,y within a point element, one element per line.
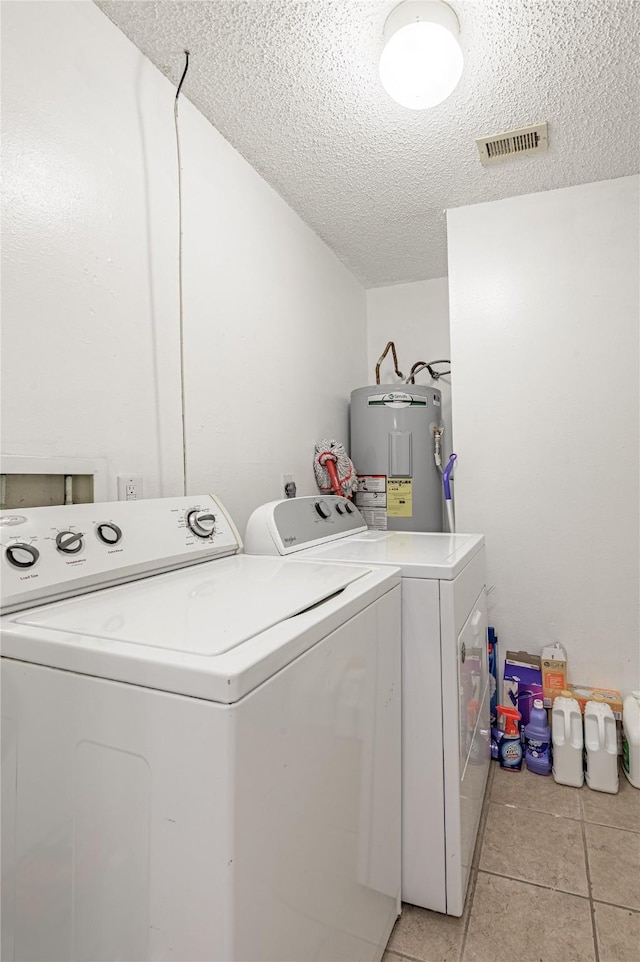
<point>180,288</point>
<point>418,366</point>
<point>421,365</point>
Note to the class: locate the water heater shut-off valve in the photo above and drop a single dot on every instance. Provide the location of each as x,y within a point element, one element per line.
<point>437,431</point>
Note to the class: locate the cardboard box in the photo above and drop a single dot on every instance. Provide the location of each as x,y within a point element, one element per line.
<point>554,679</point>
<point>584,693</point>
<point>522,682</point>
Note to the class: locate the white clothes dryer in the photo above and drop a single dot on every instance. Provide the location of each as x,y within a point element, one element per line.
<point>200,750</point>
<point>445,690</point>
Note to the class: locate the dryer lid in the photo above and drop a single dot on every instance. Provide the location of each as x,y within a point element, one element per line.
<point>418,554</point>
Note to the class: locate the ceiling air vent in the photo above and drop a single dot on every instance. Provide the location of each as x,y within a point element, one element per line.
<point>524,140</point>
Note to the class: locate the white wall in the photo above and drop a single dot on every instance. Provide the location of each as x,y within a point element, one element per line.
<point>277,326</point>
<point>416,318</point>
<point>544,340</point>
<point>89,291</point>
<point>273,321</point>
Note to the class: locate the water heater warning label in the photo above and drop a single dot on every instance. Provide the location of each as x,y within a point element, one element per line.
<point>371,483</point>
<point>400,497</point>
<point>371,500</point>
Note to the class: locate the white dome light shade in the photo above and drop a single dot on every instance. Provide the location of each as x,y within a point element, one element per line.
<point>421,62</point>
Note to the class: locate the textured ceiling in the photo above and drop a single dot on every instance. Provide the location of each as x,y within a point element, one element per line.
<point>293,85</point>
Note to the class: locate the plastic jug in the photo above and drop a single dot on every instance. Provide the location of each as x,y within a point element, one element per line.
<point>631,737</point>
<point>567,740</point>
<point>537,740</point>
<point>601,743</point>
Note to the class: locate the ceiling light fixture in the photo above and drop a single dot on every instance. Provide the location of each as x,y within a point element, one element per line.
<point>421,62</point>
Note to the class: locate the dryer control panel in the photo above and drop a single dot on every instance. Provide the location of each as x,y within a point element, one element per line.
<point>283,527</point>
<point>56,552</point>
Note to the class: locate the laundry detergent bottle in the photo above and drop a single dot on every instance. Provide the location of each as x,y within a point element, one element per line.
<point>568,740</point>
<point>510,747</point>
<point>601,746</point>
<point>537,739</point>
<point>631,738</point>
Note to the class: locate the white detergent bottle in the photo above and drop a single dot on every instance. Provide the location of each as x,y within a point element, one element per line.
<point>601,743</point>
<point>631,738</point>
<point>566,737</point>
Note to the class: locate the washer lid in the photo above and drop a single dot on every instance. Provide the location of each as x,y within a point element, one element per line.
<point>205,611</point>
<point>418,554</point>
<point>212,631</point>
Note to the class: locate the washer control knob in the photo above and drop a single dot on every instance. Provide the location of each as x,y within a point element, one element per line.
<point>348,507</point>
<point>69,542</point>
<point>202,523</point>
<point>340,507</point>
<point>323,509</point>
<point>109,533</point>
<point>22,555</point>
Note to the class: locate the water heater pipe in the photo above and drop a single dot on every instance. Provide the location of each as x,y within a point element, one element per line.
<point>391,346</point>
<point>421,365</point>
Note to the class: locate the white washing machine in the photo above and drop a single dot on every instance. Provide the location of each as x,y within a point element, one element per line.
<point>445,690</point>
<point>202,763</point>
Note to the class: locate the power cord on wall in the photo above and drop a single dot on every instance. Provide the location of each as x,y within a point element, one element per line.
<point>182,378</point>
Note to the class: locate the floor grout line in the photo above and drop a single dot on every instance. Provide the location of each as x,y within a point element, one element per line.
<point>403,955</point>
<point>471,891</point>
<point>580,805</point>
<point>538,811</point>
<point>616,828</point>
<point>475,864</point>
<point>539,885</point>
<point>465,929</point>
<point>531,808</point>
<point>482,825</point>
<point>615,905</point>
<point>592,908</point>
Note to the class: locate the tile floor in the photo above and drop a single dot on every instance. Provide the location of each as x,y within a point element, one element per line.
<point>555,878</point>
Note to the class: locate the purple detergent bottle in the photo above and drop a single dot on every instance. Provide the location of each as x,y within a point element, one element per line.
<point>537,737</point>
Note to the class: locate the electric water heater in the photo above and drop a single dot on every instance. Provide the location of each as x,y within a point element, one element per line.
<point>395,448</point>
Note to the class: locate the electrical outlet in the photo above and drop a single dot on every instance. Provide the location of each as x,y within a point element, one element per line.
<point>129,487</point>
<point>288,486</point>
